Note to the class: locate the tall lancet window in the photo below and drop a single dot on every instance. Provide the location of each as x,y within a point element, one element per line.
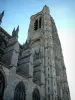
<point>2,85</point>
<point>40,22</point>
<point>36,95</point>
<point>20,92</point>
<point>36,25</point>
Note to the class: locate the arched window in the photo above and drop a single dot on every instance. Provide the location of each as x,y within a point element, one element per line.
<point>36,95</point>
<point>2,85</point>
<point>20,92</point>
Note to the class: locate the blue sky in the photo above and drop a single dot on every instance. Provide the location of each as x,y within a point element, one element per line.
<point>18,12</point>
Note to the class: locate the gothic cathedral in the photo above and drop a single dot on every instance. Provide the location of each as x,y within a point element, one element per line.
<point>34,70</point>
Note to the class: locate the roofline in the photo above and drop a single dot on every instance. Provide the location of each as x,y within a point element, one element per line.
<point>1,29</point>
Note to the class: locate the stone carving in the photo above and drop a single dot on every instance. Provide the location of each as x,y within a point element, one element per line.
<point>15,32</point>
<point>1,16</point>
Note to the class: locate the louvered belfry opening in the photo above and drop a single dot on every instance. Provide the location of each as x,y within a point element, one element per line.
<point>40,22</point>
<point>36,25</point>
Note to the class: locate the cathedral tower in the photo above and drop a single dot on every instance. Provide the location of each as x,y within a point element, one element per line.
<point>48,64</point>
<point>36,69</point>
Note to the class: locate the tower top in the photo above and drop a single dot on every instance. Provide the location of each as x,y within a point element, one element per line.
<point>45,6</point>
<point>46,9</point>
<point>37,22</point>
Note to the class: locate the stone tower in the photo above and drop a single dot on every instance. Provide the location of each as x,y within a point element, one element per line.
<point>48,64</point>
<point>34,70</point>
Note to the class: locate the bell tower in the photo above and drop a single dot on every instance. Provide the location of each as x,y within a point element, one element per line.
<point>48,61</point>
<point>35,33</point>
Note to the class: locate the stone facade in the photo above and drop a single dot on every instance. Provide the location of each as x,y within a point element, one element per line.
<point>34,70</point>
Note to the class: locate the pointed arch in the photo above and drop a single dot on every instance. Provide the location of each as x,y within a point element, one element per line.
<point>20,92</point>
<point>2,85</point>
<point>36,94</point>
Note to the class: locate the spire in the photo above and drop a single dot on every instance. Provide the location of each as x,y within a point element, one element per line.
<point>1,16</point>
<point>15,32</point>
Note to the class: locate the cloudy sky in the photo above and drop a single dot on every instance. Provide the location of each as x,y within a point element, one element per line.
<point>18,12</point>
